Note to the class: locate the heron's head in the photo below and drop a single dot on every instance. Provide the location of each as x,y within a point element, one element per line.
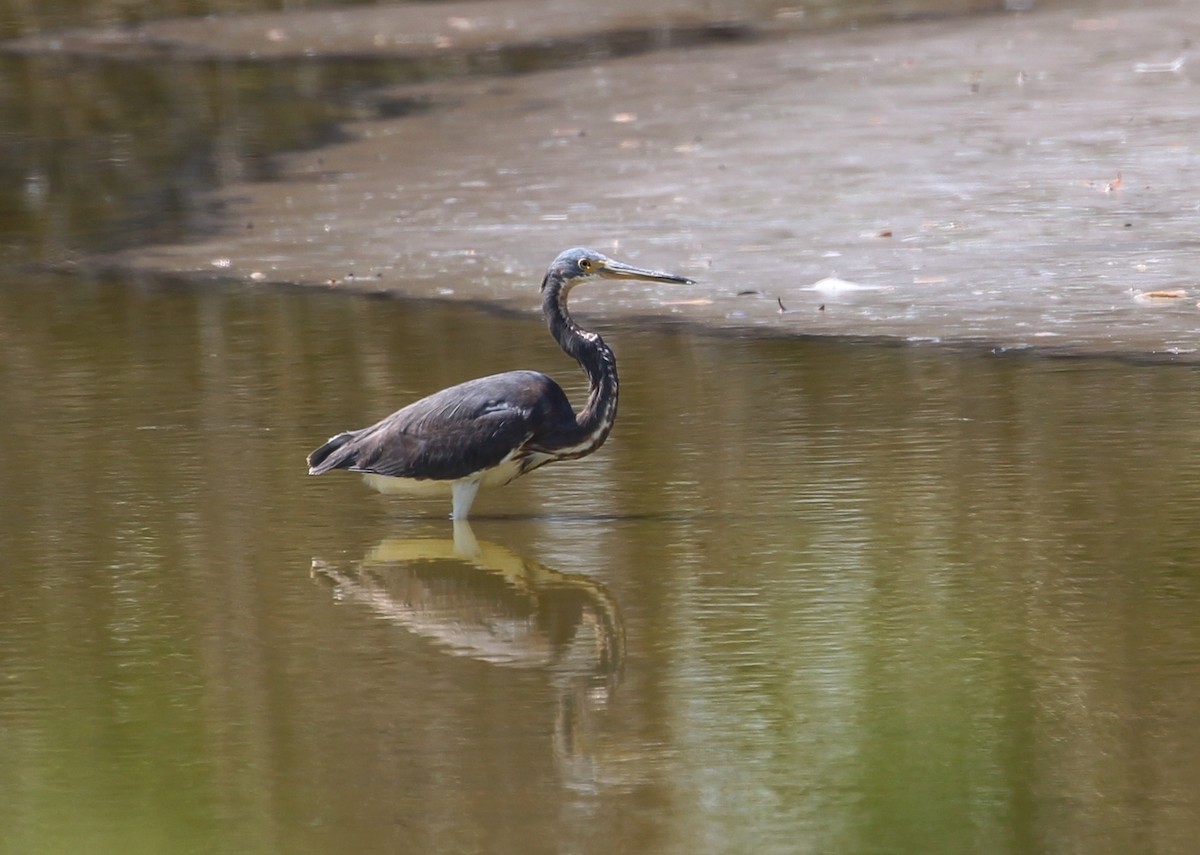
<point>577,265</point>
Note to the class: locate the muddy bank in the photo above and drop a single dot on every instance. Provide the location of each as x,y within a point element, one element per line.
<point>1020,180</point>
<point>445,37</point>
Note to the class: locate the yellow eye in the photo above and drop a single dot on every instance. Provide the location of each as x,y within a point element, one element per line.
<point>585,264</point>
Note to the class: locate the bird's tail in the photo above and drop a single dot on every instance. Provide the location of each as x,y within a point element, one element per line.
<point>327,457</point>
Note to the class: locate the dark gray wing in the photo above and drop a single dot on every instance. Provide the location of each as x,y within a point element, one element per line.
<point>453,433</point>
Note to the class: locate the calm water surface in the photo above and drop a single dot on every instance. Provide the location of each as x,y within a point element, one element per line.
<point>811,597</point>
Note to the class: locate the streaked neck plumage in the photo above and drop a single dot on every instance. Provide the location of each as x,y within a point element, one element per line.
<point>596,419</point>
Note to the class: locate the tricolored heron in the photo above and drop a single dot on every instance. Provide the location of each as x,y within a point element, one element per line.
<point>488,431</point>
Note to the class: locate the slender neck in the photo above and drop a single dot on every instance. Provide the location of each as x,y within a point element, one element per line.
<point>596,419</point>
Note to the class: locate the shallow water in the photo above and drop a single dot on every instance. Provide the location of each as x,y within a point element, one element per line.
<point>810,597</point>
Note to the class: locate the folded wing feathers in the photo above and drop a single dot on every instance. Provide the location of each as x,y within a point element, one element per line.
<point>449,435</point>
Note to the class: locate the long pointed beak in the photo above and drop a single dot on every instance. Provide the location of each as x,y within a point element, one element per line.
<point>619,270</point>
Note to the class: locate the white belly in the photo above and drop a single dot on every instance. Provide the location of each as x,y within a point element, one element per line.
<point>426,487</point>
<point>406,486</point>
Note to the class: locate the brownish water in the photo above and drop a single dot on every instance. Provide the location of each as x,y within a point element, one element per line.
<point>810,597</point>
<point>813,596</point>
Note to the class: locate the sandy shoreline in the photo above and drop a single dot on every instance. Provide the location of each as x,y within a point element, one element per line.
<point>1020,180</point>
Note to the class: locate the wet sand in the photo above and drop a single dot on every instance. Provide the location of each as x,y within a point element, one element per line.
<point>1009,180</point>
<point>460,30</point>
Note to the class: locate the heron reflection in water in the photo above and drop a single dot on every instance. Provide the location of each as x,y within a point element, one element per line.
<point>488,431</point>
<point>486,602</point>
<point>516,612</point>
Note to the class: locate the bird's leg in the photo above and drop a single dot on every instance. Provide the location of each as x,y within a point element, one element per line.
<point>462,495</point>
<point>465,544</point>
